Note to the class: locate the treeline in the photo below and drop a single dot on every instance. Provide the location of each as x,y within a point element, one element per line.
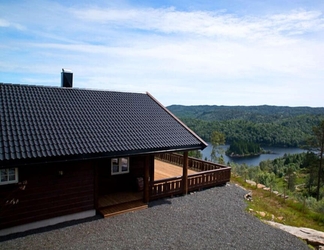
<point>264,125</point>
<point>242,148</point>
<point>292,133</point>
<point>264,113</point>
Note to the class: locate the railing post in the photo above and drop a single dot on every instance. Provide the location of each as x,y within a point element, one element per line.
<point>185,173</point>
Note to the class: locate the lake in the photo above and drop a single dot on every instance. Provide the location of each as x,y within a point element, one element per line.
<point>254,160</point>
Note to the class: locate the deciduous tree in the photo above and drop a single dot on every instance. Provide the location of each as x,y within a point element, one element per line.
<point>216,140</point>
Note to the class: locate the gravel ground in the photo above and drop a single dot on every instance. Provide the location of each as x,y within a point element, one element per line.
<point>211,219</point>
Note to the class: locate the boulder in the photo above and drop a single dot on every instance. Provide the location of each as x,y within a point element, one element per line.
<point>262,214</point>
<point>253,183</point>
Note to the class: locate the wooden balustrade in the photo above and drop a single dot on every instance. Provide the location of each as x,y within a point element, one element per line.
<point>208,179</point>
<point>166,188</point>
<point>210,174</point>
<point>193,163</point>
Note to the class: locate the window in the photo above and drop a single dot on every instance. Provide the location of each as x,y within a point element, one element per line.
<point>119,166</point>
<point>8,175</point>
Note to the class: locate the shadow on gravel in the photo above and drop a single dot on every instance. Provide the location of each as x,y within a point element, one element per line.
<point>160,202</point>
<point>49,228</point>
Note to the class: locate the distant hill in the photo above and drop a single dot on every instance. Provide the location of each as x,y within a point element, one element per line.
<point>250,113</point>
<point>266,125</point>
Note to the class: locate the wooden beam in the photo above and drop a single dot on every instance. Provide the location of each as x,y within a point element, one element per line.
<point>147,179</point>
<point>96,186</point>
<point>152,168</point>
<point>185,173</point>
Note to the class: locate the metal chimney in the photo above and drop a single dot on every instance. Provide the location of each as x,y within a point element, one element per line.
<point>66,78</point>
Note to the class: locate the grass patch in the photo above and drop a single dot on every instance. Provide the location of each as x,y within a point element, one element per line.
<point>289,212</point>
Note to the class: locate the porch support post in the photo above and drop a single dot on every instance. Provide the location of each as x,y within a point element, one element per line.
<point>151,167</point>
<point>96,186</point>
<point>185,173</point>
<point>147,179</point>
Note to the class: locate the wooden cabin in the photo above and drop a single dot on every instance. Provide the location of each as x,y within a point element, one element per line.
<point>68,153</point>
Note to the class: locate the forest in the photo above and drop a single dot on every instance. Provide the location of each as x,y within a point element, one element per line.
<point>241,148</point>
<point>301,175</point>
<point>264,125</point>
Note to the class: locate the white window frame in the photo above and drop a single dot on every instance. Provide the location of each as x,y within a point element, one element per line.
<point>119,165</point>
<point>6,176</point>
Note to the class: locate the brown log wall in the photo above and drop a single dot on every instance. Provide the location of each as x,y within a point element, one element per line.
<point>121,182</point>
<point>47,194</point>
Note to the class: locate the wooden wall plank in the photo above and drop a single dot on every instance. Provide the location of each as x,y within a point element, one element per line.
<point>48,194</point>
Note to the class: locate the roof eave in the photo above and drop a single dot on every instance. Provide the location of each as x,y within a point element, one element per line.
<point>45,160</point>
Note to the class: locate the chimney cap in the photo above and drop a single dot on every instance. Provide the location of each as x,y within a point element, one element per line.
<point>66,70</point>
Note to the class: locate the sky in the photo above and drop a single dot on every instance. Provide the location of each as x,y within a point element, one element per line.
<point>204,52</point>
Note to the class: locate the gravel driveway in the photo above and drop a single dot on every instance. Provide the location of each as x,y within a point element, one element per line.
<point>211,219</point>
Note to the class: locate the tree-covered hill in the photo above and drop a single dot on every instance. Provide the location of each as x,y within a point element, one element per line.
<point>266,125</point>
<point>249,113</point>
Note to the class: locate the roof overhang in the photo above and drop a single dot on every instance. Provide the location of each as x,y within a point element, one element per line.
<point>84,157</point>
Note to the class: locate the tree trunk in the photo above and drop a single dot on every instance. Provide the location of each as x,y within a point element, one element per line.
<point>320,170</point>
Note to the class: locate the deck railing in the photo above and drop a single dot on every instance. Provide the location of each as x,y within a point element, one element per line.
<point>210,174</point>
<point>209,178</point>
<point>193,163</point>
<point>166,187</point>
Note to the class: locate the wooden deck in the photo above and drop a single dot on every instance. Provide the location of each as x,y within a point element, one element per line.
<point>165,170</point>
<point>168,166</point>
<point>118,198</point>
<point>121,202</point>
<point>123,208</point>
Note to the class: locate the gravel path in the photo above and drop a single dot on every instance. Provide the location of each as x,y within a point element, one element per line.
<point>210,219</point>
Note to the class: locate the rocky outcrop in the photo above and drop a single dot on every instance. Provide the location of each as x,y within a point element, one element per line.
<point>311,236</point>
<point>261,186</point>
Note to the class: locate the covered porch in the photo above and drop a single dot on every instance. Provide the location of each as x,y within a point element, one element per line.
<point>126,201</point>
<point>171,174</point>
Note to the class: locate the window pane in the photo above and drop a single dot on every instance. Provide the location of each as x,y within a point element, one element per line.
<point>115,169</point>
<point>124,165</point>
<point>12,174</point>
<point>115,165</point>
<point>4,175</point>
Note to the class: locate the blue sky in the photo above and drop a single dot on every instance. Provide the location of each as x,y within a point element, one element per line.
<point>205,52</point>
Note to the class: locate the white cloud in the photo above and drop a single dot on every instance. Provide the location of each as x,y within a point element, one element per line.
<point>179,56</point>
<point>6,24</point>
<point>207,24</point>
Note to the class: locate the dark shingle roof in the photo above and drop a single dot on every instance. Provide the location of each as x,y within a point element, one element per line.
<point>48,122</point>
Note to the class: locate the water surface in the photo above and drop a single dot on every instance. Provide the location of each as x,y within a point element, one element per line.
<point>254,160</point>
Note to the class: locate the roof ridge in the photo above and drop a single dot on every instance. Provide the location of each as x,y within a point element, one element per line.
<point>74,88</point>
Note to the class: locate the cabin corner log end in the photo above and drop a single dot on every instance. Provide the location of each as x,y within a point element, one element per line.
<point>209,175</point>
